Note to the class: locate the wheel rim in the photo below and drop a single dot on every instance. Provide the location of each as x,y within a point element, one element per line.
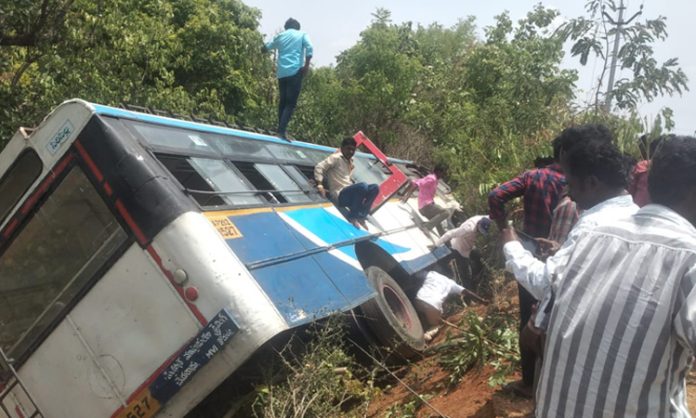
<point>396,306</point>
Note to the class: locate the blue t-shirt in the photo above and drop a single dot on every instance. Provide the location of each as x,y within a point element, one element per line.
<point>292,45</point>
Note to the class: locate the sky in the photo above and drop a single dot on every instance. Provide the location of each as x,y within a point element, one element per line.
<point>334,26</point>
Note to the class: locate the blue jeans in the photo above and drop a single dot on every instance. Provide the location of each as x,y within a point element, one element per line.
<point>289,88</point>
<point>358,198</point>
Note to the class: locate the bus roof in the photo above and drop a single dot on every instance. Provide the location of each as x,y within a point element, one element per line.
<point>179,123</point>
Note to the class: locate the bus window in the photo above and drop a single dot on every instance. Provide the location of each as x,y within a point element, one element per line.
<point>51,261</point>
<point>307,172</point>
<point>210,182</point>
<point>263,186</point>
<point>175,140</point>
<point>235,148</point>
<point>17,180</point>
<point>282,182</point>
<point>304,156</point>
<point>304,176</point>
<point>369,171</point>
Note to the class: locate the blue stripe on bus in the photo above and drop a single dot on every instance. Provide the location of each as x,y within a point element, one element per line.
<point>178,123</point>
<point>332,229</point>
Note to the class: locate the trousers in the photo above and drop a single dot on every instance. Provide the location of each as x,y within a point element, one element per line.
<point>358,198</point>
<point>289,88</point>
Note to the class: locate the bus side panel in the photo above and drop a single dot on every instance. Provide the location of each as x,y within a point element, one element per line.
<point>320,227</point>
<point>303,288</point>
<point>394,215</point>
<point>124,328</point>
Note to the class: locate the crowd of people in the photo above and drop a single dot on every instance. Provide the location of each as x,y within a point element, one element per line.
<point>607,278</point>
<point>605,259</point>
<point>608,310</point>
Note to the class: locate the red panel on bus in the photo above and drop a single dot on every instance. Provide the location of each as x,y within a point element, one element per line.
<point>391,185</point>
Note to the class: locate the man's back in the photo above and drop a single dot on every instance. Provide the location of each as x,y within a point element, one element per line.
<point>622,333</point>
<point>292,45</point>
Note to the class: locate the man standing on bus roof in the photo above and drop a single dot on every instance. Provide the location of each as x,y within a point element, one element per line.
<point>337,169</point>
<point>293,45</point>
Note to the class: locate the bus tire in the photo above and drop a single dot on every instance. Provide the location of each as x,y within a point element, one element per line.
<point>391,317</point>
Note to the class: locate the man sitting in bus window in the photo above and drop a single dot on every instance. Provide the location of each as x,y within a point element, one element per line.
<point>337,169</point>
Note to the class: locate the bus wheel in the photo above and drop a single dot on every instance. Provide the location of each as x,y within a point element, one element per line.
<point>391,316</point>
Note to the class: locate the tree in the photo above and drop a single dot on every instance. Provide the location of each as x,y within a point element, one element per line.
<point>643,77</point>
<point>199,56</point>
<point>30,23</point>
<point>432,94</point>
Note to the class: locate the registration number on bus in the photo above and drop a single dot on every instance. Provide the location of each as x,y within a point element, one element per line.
<point>181,368</point>
<point>143,406</point>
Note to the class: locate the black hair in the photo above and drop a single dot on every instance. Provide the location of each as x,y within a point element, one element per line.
<point>541,161</point>
<point>656,143</point>
<point>458,217</point>
<point>673,170</point>
<point>292,24</point>
<point>598,158</point>
<point>347,141</point>
<point>580,134</point>
<point>648,147</point>
<point>629,160</point>
<point>441,169</point>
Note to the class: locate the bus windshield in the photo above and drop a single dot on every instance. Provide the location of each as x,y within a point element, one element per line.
<point>51,260</point>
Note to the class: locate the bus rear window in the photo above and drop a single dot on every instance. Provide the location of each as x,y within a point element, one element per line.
<point>17,180</point>
<point>55,256</point>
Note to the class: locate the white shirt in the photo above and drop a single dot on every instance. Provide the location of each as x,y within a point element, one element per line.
<point>337,170</point>
<point>463,237</point>
<point>535,275</point>
<point>622,332</point>
<point>436,287</point>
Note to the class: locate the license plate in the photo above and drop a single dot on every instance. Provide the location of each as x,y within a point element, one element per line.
<point>187,362</point>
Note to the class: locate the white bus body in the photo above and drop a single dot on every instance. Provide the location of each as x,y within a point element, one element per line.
<point>138,275</point>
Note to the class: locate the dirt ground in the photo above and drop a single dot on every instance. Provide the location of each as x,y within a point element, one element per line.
<point>473,397</point>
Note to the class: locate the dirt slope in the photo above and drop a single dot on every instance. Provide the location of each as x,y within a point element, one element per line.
<point>472,397</point>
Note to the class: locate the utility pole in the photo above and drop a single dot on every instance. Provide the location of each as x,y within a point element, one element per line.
<point>615,54</point>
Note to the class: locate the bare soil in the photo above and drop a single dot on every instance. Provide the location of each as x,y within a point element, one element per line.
<point>473,397</point>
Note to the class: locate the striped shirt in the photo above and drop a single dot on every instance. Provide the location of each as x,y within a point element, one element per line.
<point>622,331</point>
<point>536,275</point>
